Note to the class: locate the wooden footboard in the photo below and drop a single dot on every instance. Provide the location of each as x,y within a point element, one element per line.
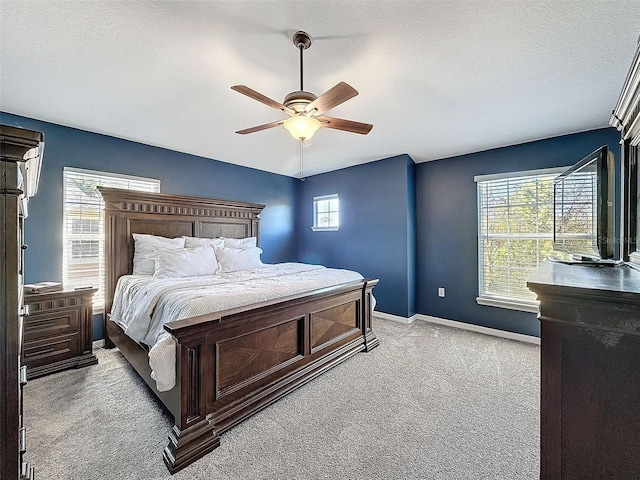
<point>234,363</point>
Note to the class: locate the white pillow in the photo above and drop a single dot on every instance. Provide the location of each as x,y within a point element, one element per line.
<point>146,245</point>
<point>191,242</point>
<point>248,242</point>
<point>185,262</point>
<point>234,259</point>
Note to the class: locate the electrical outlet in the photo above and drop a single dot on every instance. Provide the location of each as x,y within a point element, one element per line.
<point>441,292</point>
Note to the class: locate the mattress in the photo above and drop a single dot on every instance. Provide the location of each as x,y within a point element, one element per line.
<point>142,304</point>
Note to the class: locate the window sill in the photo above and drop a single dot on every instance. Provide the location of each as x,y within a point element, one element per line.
<point>521,305</point>
<point>324,229</point>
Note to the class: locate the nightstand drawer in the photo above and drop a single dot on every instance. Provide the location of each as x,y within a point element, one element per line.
<point>58,331</point>
<point>50,325</point>
<point>46,351</point>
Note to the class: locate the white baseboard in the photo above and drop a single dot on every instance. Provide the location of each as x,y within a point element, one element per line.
<point>394,318</point>
<point>462,325</point>
<point>479,329</point>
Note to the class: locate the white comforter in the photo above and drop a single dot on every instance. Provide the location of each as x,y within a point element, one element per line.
<point>142,305</point>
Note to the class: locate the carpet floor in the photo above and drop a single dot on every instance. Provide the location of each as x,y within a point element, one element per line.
<point>439,403</point>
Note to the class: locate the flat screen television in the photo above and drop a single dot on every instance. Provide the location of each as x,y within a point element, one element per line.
<point>583,208</point>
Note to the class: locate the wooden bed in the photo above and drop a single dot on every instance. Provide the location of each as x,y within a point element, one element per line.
<point>229,364</point>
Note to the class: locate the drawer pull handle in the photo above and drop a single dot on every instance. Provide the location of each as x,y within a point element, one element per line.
<point>23,439</point>
<point>23,375</point>
<point>24,246</point>
<point>27,472</point>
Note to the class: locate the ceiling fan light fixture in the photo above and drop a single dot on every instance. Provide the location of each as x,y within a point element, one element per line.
<point>301,127</point>
<point>305,109</point>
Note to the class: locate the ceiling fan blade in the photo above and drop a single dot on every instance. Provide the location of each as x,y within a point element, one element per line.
<point>331,98</point>
<point>346,125</point>
<point>249,92</point>
<point>260,127</point>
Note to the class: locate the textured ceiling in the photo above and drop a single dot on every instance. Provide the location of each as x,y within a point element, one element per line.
<point>436,78</point>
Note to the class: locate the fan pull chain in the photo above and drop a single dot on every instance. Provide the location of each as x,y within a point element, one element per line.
<point>301,159</point>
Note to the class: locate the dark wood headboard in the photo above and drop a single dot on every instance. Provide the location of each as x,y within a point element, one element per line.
<point>128,211</point>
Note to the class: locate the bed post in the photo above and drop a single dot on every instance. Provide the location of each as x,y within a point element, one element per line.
<point>193,434</point>
<point>370,339</point>
<point>113,261</point>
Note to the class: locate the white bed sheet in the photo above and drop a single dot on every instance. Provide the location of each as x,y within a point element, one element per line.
<point>142,305</point>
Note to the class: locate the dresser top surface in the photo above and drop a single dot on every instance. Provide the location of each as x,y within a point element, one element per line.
<point>619,279</point>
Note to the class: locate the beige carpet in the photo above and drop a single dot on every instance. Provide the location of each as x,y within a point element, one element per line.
<point>441,403</point>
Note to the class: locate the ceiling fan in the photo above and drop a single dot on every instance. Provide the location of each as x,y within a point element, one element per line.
<point>305,110</point>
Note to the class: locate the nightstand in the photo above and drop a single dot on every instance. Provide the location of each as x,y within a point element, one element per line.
<point>58,331</point>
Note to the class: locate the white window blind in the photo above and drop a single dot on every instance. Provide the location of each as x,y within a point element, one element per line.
<point>83,236</point>
<point>326,212</point>
<point>515,235</point>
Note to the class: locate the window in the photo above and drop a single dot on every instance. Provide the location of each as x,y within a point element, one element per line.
<point>326,212</point>
<point>515,235</point>
<point>83,236</point>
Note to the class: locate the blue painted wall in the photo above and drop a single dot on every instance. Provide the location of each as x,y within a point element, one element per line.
<point>447,224</point>
<point>179,173</point>
<point>412,226</point>
<point>377,227</point>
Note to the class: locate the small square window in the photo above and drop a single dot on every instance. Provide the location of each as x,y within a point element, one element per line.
<point>326,212</point>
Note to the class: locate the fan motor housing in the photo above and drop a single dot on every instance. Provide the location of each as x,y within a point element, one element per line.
<point>299,100</point>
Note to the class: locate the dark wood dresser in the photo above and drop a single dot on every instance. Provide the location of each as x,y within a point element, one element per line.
<point>20,160</point>
<point>58,331</point>
<point>590,371</point>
